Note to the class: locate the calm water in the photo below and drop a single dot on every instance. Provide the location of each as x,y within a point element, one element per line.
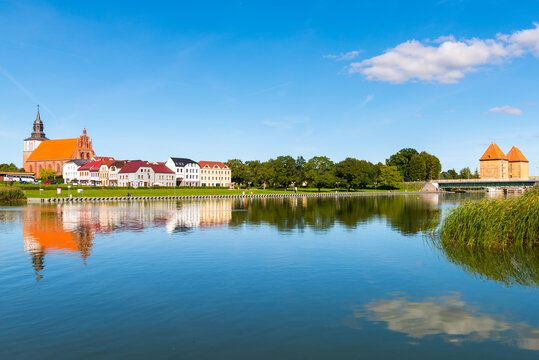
<point>259,279</point>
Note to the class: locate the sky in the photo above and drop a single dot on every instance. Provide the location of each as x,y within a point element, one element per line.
<point>255,80</point>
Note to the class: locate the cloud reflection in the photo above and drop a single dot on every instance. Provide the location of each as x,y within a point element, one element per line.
<point>447,316</point>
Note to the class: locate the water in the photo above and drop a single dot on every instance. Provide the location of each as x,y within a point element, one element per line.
<point>265,279</point>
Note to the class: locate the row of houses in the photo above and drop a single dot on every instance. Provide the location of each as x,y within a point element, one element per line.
<point>107,171</point>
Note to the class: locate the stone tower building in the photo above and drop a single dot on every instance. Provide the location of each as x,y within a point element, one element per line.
<point>518,164</point>
<point>42,153</point>
<point>494,164</point>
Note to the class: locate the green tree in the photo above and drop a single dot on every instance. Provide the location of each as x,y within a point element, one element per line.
<point>238,171</point>
<point>300,170</point>
<point>47,174</point>
<point>320,172</point>
<point>10,167</point>
<point>390,177</point>
<point>254,171</point>
<point>346,172</point>
<point>401,160</point>
<point>285,171</point>
<point>417,169</point>
<point>465,173</point>
<point>432,166</point>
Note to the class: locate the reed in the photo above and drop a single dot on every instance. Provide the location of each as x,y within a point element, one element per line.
<point>495,223</point>
<point>10,195</point>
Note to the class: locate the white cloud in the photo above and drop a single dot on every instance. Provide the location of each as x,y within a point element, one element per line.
<point>367,100</point>
<point>507,109</point>
<point>448,61</point>
<point>344,56</point>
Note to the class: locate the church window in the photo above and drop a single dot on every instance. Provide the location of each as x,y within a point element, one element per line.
<point>31,168</point>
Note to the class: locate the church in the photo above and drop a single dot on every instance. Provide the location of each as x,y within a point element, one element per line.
<point>42,153</point>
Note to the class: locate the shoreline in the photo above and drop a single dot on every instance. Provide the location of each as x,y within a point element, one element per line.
<point>63,200</point>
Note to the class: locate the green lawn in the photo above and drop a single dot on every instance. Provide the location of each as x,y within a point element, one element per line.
<point>49,191</point>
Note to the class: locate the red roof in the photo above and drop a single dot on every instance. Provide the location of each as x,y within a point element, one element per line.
<point>133,166</point>
<point>62,149</point>
<point>91,166</point>
<point>493,153</point>
<point>211,164</point>
<point>514,155</point>
<point>161,168</point>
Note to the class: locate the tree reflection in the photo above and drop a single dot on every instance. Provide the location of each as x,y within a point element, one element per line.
<point>406,214</point>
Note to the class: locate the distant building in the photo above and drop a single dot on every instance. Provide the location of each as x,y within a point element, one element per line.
<point>41,153</point>
<point>114,168</point>
<point>187,171</point>
<point>89,173</point>
<point>214,173</point>
<point>494,164</point>
<point>518,164</point>
<point>142,173</point>
<point>70,170</point>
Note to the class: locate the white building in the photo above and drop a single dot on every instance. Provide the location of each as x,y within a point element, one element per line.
<point>142,173</point>
<point>114,168</point>
<point>187,171</point>
<point>89,173</point>
<point>70,170</point>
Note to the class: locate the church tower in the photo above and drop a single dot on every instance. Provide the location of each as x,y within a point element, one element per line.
<point>31,143</point>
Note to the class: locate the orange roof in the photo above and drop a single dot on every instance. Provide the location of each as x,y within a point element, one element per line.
<point>515,155</point>
<point>211,164</point>
<point>62,149</point>
<point>493,153</point>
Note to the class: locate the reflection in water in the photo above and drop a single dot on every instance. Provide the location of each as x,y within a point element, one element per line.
<point>509,266</point>
<point>71,228</point>
<point>448,316</point>
<point>407,214</point>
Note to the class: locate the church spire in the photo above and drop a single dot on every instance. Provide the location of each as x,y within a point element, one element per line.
<point>38,133</point>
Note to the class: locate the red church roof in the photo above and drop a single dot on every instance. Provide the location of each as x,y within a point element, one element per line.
<point>493,153</point>
<point>515,155</point>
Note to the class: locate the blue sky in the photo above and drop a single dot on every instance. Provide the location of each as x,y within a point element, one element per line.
<point>254,80</point>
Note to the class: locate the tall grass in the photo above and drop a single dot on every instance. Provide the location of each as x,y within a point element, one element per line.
<point>8,195</point>
<point>495,223</point>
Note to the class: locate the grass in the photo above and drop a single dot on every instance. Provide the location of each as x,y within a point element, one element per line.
<point>10,195</point>
<point>49,191</point>
<point>494,223</point>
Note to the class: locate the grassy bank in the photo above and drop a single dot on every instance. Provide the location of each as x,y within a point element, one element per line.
<point>49,191</point>
<point>10,195</point>
<point>495,223</point>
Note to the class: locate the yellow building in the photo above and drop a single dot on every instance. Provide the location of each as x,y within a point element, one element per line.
<point>518,164</point>
<point>494,164</point>
<point>214,173</point>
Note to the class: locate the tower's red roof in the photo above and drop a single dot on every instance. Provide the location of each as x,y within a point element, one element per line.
<point>493,153</point>
<point>515,155</point>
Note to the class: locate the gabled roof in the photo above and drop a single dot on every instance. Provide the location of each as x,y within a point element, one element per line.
<point>62,149</point>
<point>133,166</point>
<point>91,166</point>
<point>181,162</point>
<point>493,153</point>
<point>161,168</point>
<point>78,162</point>
<point>515,155</point>
<point>108,160</point>
<point>212,164</point>
<point>119,163</point>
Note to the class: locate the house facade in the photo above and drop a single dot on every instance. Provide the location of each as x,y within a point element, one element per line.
<point>142,173</point>
<point>518,164</point>
<point>214,173</point>
<point>71,170</point>
<point>187,171</point>
<point>89,173</point>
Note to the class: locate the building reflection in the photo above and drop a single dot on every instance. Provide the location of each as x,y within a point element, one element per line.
<point>71,228</point>
<point>449,317</point>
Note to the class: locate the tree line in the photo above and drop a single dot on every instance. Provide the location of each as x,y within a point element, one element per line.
<point>350,173</point>
<point>465,173</point>
<point>10,167</point>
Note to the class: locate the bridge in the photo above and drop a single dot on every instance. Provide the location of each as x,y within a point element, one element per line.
<point>440,185</point>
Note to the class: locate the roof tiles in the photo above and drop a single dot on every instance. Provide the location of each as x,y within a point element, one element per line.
<point>493,153</point>
<point>62,149</point>
<point>515,155</point>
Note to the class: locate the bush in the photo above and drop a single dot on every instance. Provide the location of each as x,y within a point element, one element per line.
<point>11,195</point>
